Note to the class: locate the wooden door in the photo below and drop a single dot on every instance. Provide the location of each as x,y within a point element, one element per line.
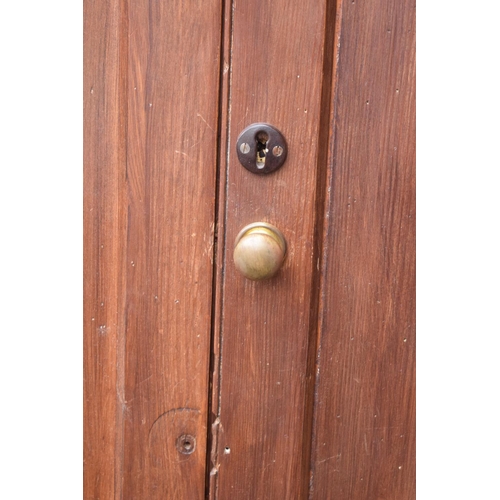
<point>200,383</point>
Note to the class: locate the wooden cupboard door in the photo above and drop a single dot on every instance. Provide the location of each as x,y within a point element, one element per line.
<point>314,395</point>
<point>262,403</point>
<point>151,116</point>
<point>200,383</point>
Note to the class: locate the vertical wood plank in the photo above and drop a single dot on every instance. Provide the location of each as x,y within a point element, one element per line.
<point>364,433</point>
<point>264,419</point>
<point>173,77</point>
<point>104,234</point>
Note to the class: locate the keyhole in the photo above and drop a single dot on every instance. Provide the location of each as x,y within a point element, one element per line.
<point>262,150</point>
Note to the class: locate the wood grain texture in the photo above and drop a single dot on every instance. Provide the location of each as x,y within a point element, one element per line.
<point>151,113</point>
<point>364,434</point>
<point>154,126</point>
<point>104,234</point>
<point>264,427</point>
<point>173,80</point>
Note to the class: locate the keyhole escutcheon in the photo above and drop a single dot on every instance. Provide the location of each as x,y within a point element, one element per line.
<point>261,148</point>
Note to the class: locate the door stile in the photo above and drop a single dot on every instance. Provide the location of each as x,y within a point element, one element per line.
<point>105,222</point>
<point>269,424</point>
<point>173,101</point>
<point>364,421</point>
<point>151,99</point>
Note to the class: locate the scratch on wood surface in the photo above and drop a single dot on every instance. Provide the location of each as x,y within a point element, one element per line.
<point>239,123</point>
<point>329,458</point>
<point>145,380</point>
<point>273,462</point>
<point>198,114</point>
<point>125,406</point>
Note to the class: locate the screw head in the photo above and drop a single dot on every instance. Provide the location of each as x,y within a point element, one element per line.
<point>277,151</point>
<point>186,444</point>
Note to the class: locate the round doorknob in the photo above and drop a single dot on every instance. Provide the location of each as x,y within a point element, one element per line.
<point>259,251</point>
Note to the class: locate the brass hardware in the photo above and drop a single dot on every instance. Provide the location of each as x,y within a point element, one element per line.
<point>259,251</point>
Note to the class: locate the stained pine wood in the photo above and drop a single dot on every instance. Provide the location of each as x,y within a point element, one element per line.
<point>364,426</point>
<point>104,236</point>
<point>263,422</point>
<point>173,75</point>
<point>153,70</point>
<point>299,386</point>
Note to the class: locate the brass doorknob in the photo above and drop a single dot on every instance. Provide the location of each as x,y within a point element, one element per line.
<point>259,251</point>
